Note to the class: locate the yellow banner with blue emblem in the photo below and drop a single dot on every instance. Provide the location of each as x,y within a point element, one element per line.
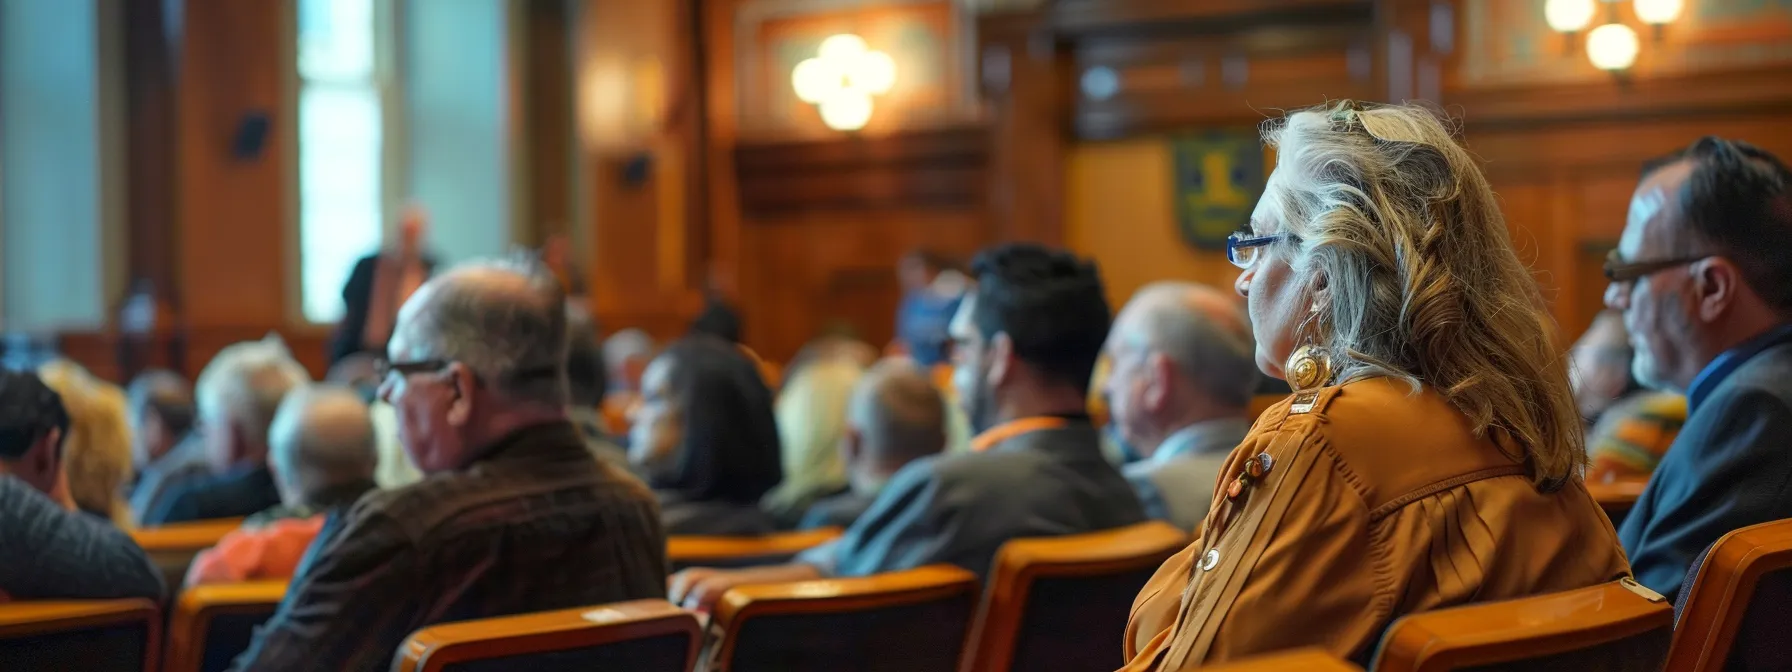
<point>1219,175</point>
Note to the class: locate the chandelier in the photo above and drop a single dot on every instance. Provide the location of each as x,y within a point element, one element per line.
<point>1611,46</point>
<point>841,79</point>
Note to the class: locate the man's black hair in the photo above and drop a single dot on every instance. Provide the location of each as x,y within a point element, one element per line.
<point>1049,302</point>
<point>29,409</point>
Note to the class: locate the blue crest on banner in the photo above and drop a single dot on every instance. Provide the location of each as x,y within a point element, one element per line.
<point>1219,175</point>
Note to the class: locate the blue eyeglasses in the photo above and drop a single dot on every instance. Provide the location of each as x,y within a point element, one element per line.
<point>1242,249</point>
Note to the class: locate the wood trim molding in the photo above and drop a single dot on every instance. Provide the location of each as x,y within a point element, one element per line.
<point>1721,592</point>
<point>700,549</point>
<point>1524,629</point>
<point>198,606</point>
<point>940,168</point>
<point>434,648</point>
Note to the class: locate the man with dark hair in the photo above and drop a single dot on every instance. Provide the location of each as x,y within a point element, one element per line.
<point>168,457</point>
<point>515,515</point>
<point>48,550</point>
<point>1025,345</point>
<point>1703,276</point>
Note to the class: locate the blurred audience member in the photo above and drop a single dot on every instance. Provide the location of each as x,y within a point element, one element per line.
<point>1024,346</point>
<point>719,319</point>
<point>96,453</point>
<point>379,284</point>
<point>515,515</point>
<point>48,550</point>
<point>1183,370</point>
<point>237,394</point>
<point>626,355</point>
<point>811,413</point>
<point>321,449</point>
<point>706,439</point>
<point>1630,427</point>
<point>931,291</point>
<point>159,406</point>
<point>557,255</point>
<point>1704,279</point>
<point>360,373</point>
<point>585,383</point>
<point>894,416</point>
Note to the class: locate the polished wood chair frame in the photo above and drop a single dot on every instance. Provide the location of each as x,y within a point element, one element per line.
<point>697,550</point>
<point>879,591</point>
<point>198,606</point>
<point>26,619</point>
<point>1521,629</point>
<point>172,547</point>
<point>1021,562</point>
<point>436,647</point>
<point>1720,594</point>
<point>1618,497</point>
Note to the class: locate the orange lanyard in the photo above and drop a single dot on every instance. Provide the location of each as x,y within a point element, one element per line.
<point>1013,428</point>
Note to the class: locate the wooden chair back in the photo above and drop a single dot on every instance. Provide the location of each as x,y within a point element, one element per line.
<point>80,635</point>
<point>770,549</point>
<point>1612,626</point>
<point>1298,660</point>
<point>1061,603</point>
<point>908,621</point>
<point>212,624</point>
<point>643,635</point>
<point>1738,603</point>
<point>172,547</point>
<point>1617,498</point>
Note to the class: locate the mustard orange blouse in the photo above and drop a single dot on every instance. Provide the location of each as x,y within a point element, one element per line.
<point>1348,507</point>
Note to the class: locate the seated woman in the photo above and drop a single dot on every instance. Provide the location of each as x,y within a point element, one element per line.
<point>705,439</point>
<point>96,455</point>
<point>811,414</point>
<point>1431,452</point>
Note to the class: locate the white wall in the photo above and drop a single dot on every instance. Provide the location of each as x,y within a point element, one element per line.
<point>455,68</point>
<point>52,185</point>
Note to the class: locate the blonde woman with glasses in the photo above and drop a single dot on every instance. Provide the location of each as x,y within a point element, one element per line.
<point>1431,453</point>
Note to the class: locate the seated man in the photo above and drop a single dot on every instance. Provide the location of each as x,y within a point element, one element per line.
<point>48,550</point>
<point>1025,342</point>
<point>895,416</point>
<point>321,448</point>
<point>515,514</point>
<point>238,393</point>
<point>1629,427</point>
<point>1183,369</point>
<point>159,405</point>
<point>1704,280</point>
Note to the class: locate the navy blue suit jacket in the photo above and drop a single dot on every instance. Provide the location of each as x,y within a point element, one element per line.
<point>1730,467</point>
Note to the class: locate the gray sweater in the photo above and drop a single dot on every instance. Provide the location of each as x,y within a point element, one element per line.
<point>47,552</point>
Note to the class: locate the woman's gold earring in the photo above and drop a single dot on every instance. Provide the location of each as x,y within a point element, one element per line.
<point>1309,367</point>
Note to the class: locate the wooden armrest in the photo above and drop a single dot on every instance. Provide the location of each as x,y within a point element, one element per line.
<point>912,586</point>
<point>26,619</point>
<point>192,536</point>
<point>1532,627</point>
<point>695,549</point>
<point>435,647</point>
<point>1147,543</point>
<point>198,605</point>
<point>1620,493</point>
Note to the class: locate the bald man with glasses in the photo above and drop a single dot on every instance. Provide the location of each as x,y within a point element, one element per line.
<point>1703,278</point>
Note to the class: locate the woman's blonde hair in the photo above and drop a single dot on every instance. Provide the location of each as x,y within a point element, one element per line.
<point>1397,221</point>
<point>811,413</point>
<point>96,455</point>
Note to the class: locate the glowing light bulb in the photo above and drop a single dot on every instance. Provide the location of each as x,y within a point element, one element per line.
<point>1567,16</point>
<point>1612,46</point>
<point>1658,12</point>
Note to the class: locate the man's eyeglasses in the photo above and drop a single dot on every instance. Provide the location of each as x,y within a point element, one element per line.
<point>1618,270</point>
<point>1242,249</point>
<point>384,368</point>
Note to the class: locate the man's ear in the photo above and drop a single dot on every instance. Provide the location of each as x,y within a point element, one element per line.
<point>1001,359</point>
<point>1717,282</point>
<point>464,384</point>
<point>44,460</point>
<point>1157,385</point>
<point>852,445</point>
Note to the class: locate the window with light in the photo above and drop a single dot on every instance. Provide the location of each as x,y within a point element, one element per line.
<point>341,146</point>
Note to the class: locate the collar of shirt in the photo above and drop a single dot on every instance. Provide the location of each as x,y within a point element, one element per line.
<point>1732,359</point>
<point>999,434</point>
<point>1202,438</point>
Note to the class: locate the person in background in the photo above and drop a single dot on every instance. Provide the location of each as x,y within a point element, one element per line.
<point>811,413</point>
<point>164,450</point>
<point>1431,454</point>
<point>321,449</point>
<point>96,452</point>
<point>379,284</point>
<point>1024,346</point>
<point>1703,277</point>
<point>585,383</point>
<point>48,550</point>
<point>1184,369</point>
<point>706,439</point>
<point>515,515</point>
<point>557,255</point>
<point>360,372</point>
<point>931,291</point>
<point>894,416</point>
<point>719,319</point>
<point>626,355</point>
<point>237,394</point>
<point>1629,426</point>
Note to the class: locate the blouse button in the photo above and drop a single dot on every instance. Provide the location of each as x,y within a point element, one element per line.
<point>1210,560</point>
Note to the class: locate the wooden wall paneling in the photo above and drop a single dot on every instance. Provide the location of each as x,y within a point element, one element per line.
<point>546,99</point>
<point>1024,85</point>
